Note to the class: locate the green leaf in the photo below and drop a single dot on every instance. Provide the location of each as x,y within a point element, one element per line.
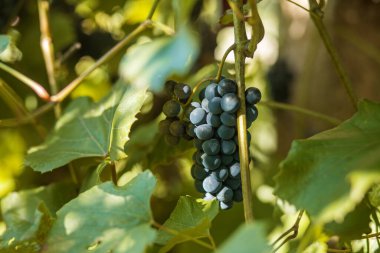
<point>4,42</point>
<point>247,239</point>
<point>150,64</point>
<point>90,129</point>
<point>329,173</point>
<point>28,214</point>
<point>191,218</point>
<point>106,218</point>
<point>355,224</point>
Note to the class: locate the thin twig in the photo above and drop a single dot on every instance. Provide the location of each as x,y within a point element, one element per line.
<point>36,87</point>
<point>293,108</point>
<point>152,10</point>
<point>220,69</point>
<point>176,233</point>
<point>196,87</point>
<point>300,6</point>
<point>343,76</point>
<point>240,39</point>
<point>107,56</point>
<point>293,229</point>
<point>76,46</point>
<point>47,49</point>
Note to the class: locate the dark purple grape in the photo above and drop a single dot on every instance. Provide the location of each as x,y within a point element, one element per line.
<point>227,86</point>
<point>211,185</point>
<point>230,103</point>
<point>214,105</point>
<point>213,120</point>
<point>225,195</point>
<point>252,95</point>
<point>198,116</point>
<point>171,108</point>
<point>211,147</point>
<point>204,132</point>
<point>228,119</point>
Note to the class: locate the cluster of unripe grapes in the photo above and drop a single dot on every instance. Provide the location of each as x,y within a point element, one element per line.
<point>211,122</point>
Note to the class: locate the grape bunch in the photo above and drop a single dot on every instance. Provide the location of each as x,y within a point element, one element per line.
<point>216,168</point>
<point>176,124</point>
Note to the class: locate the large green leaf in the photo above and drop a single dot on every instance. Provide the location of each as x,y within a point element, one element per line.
<point>329,173</point>
<point>28,215</point>
<point>90,129</point>
<point>191,218</point>
<point>247,239</point>
<point>150,64</point>
<point>106,218</point>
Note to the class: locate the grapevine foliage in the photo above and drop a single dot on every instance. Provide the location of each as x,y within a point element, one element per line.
<point>136,162</point>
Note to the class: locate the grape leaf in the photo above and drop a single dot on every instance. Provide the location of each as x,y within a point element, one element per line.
<point>90,129</point>
<point>247,239</point>
<point>191,218</point>
<point>106,218</point>
<point>355,224</point>
<point>152,62</point>
<point>329,173</point>
<point>4,42</point>
<point>28,215</point>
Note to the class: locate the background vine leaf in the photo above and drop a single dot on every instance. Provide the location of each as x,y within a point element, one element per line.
<point>191,218</point>
<point>247,239</point>
<point>329,173</point>
<point>105,212</point>
<point>90,129</point>
<point>4,42</point>
<point>151,63</point>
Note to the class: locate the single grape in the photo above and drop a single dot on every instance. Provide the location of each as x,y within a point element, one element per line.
<point>190,130</point>
<point>226,86</point>
<point>182,92</point>
<point>226,132</point>
<point>252,95</point>
<point>197,172</point>
<point>227,159</point>
<point>211,147</point>
<point>238,195</point>
<point>213,120</point>
<point>205,104</point>
<point>164,125</point>
<point>211,91</point>
<point>204,132</point>
<point>177,128</point>
<point>252,114</point>
<point>230,103</point>
<point>220,174</point>
<point>199,186</point>
<point>228,119</point>
<point>225,205</point>
<point>198,116</point>
<point>169,87</point>
<point>208,196</point>
<point>228,147</point>
<point>171,140</point>
<point>195,104</point>
<point>211,185</point>
<point>225,195</point>
<point>233,183</point>
<point>171,108</point>
<point>211,162</point>
<point>234,170</point>
<point>214,105</point>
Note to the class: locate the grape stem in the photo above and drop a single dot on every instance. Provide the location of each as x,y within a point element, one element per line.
<point>293,230</point>
<point>315,8</point>
<point>240,41</point>
<point>176,233</point>
<point>196,87</point>
<point>219,74</point>
<point>47,49</point>
<point>288,107</point>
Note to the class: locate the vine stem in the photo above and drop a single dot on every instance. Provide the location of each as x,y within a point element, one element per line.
<point>293,229</point>
<point>288,107</point>
<point>176,233</point>
<point>240,39</point>
<point>47,49</point>
<point>343,76</point>
<point>152,10</point>
<point>36,87</point>
<point>223,60</point>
